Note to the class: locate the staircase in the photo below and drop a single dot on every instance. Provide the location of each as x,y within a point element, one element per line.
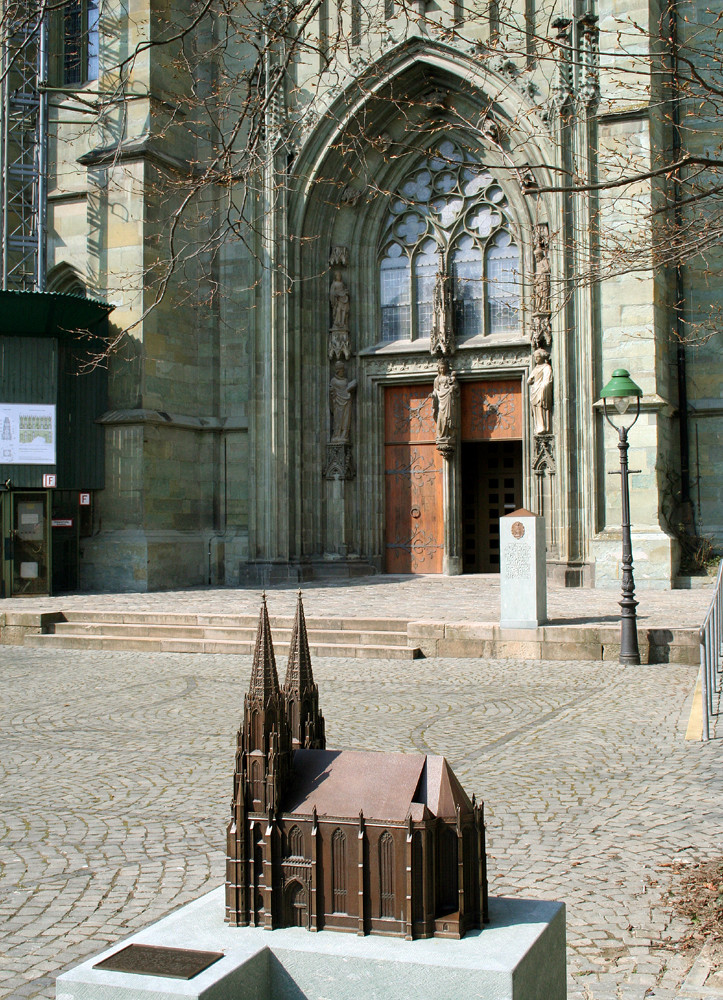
<point>181,633</point>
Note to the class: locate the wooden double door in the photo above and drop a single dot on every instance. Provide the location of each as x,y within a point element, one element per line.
<point>414,470</point>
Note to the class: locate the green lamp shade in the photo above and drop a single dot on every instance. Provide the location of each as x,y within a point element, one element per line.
<point>620,385</point>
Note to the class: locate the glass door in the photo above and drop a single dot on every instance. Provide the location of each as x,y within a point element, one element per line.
<point>30,544</point>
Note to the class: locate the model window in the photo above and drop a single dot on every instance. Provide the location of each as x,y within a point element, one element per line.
<point>338,870</point>
<point>386,874</point>
<point>449,217</point>
<point>296,843</point>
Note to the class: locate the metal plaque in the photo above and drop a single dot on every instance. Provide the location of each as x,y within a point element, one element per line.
<point>150,960</point>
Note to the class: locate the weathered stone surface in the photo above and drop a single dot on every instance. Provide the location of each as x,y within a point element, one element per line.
<point>220,414</point>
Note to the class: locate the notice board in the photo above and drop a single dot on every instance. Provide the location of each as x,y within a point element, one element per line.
<point>27,434</point>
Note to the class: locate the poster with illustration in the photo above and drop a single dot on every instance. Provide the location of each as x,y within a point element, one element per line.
<point>27,434</point>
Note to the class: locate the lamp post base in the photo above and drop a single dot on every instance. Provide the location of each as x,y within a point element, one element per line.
<point>629,649</point>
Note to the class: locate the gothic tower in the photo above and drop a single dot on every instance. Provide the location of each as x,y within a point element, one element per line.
<point>266,733</point>
<point>302,695</point>
<point>263,768</point>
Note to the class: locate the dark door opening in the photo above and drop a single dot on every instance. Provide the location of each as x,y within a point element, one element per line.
<point>65,534</point>
<point>491,488</point>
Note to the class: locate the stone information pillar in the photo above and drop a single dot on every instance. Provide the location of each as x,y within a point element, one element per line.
<point>523,580</point>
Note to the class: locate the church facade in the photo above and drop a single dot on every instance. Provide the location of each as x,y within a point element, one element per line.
<point>353,841</point>
<point>397,351</point>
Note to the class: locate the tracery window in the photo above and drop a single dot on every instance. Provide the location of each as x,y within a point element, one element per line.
<point>386,874</point>
<point>449,215</point>
<point>296,842</point>
<point>338,870</point>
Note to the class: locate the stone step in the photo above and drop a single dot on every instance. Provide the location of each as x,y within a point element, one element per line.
<point>236,634</point>
<point>244,648</point>
<point>234,621</point>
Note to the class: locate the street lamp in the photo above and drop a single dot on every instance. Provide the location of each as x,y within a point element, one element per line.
<point>622,390</point>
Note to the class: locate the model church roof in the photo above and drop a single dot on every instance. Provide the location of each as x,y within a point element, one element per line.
<point>384,786</point>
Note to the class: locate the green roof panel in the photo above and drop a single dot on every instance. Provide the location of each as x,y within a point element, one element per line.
<point>49,314</point>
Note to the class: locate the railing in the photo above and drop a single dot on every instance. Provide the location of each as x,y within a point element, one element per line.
<point>711,637</point>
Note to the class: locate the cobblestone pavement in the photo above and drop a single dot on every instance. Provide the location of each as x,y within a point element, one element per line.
<point>116,779</point>
<point>461,598</point>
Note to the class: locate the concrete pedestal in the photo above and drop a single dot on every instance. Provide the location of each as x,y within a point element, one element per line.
<point>523,574</point>
<point>520,955</point>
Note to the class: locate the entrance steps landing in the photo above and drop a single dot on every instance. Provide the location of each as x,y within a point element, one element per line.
<point>183,633</point>
<point>383,638</point>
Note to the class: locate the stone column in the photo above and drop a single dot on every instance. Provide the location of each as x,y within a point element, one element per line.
<point>452,485</point>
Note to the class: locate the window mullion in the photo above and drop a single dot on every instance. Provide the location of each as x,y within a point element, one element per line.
<point>413,316</point>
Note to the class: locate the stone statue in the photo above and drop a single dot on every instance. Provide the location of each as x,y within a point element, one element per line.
<point>541,295</point>
<point>340,397</point>
<point>445,405</point>
<point>441,338</point>
<point>541,300</point>
<point>540,382</point>
<point>339,299</point>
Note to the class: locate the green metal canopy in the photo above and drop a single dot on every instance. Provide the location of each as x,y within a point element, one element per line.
<point>49,314</point>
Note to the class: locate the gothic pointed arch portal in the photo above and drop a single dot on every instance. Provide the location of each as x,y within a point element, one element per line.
<point>296,905</point>
<point>408,193</point>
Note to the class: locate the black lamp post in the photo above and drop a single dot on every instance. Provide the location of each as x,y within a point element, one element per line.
<point>622,390</point>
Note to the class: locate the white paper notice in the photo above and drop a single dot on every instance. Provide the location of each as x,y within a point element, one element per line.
<point>27,434</point>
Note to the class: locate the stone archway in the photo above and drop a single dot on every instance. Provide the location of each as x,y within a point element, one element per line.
<point>368,511</point>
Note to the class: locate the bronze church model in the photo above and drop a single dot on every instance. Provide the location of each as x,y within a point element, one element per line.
<point>363,842</point>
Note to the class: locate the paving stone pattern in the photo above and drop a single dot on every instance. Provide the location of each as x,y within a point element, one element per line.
<point>116,781</point>
<point>438,598</point>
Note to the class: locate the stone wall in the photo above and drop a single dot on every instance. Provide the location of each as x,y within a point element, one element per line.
<point>219,412</point>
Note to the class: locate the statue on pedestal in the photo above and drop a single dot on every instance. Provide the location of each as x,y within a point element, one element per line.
<point>340,397</point>
<point>542,291</point>
<point>445,405</point>
<point>339,345</point>
<point>540,382</point>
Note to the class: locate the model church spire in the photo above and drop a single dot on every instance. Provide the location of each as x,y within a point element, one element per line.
<point>302,694</point>
<point>264,679</point>
<point>266,736</point>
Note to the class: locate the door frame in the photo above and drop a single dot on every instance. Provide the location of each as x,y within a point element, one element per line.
<point>382,368</point>
<point>9,499</point>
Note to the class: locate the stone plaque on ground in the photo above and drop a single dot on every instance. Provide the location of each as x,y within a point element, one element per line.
<point>523,580</point>
<point>151,960</point>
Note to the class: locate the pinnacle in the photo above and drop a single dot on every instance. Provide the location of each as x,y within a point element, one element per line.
<point>299,675</point>
<point>264,679</point>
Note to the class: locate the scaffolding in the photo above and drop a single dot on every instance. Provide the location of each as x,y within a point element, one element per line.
<point>23,149</point>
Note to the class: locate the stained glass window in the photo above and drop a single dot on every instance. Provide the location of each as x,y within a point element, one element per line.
<point>426,263</point>
<point>468,287</point>
<point>503,283</point>
<point>395,295</point>
<point>449,216</point>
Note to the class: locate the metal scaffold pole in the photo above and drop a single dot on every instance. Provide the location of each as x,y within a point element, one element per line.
<point>23,150</point>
